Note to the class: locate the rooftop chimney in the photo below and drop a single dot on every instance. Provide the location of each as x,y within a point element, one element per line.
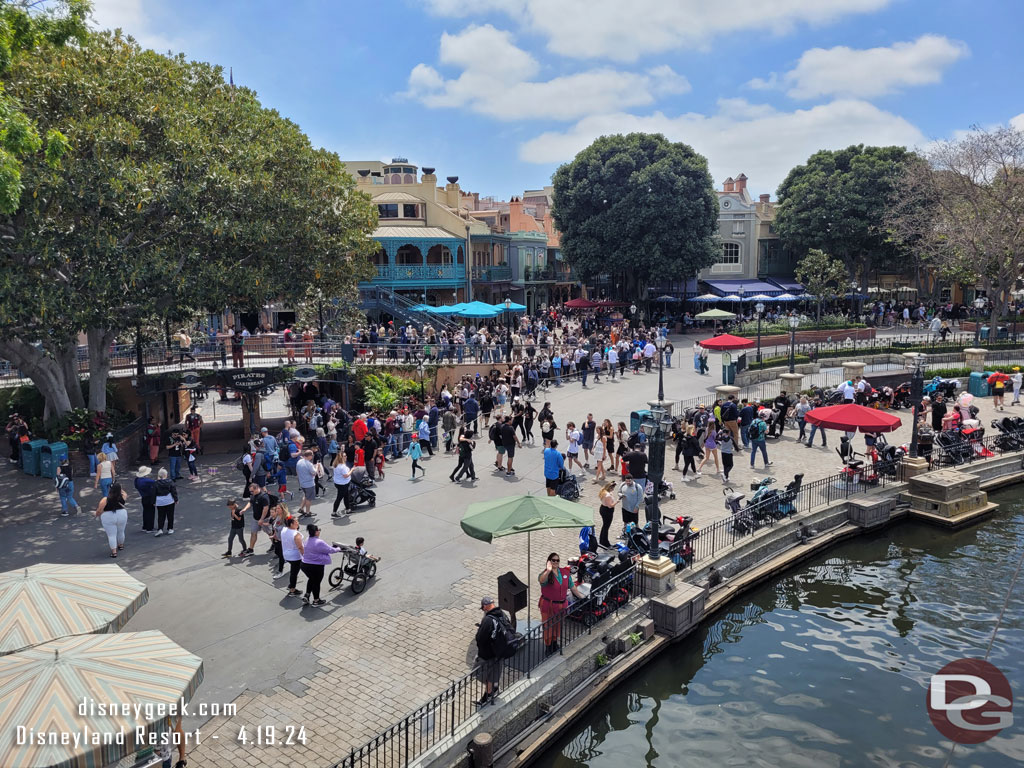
<point>765,198</point>
<point>741,182</point>
<point>728,186</point>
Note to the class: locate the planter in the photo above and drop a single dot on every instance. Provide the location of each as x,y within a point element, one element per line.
<point>129,449</point>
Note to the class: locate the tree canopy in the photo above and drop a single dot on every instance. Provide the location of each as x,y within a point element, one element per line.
<point>637,205</point>
<point>822,276</point>
<point>837,202</point>
<point>177,193</point>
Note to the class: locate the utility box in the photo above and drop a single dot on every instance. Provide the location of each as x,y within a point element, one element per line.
<point>513,595</point>
<point>52,456</point>
<point>30,455</point>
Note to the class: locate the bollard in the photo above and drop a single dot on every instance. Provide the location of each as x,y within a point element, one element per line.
<point>481,750</point>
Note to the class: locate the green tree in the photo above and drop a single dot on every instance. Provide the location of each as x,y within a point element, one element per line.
<point>179,194</point>
<point>837,202</point>
<point>822,275</point>
<point>637,205</point>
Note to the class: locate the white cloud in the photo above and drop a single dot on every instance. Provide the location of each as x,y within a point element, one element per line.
<point>1017,123</point>
<point>130,16</point>
<point>758,140</point>
<point>496,81</point>
<point>608,29</point>
<point>844,71</point>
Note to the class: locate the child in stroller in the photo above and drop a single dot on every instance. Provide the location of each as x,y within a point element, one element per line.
<point>665,488</point>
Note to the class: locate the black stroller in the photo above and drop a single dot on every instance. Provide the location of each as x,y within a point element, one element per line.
<point>1011,436</point>
<point>955,449</point>
<point>360,489</point>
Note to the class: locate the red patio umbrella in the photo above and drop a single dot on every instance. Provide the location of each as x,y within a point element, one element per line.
<point>726,342</point>
<point>581,304</point>
<point>851,418</point>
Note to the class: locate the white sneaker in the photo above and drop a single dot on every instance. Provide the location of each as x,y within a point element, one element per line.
<point>686,478</point>
<point>279,574</point>
<point>697,474</point>
<point>158,533</point>
<point>170,530</point>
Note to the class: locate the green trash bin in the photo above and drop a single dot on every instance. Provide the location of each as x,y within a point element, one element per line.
<point>635,418</point>
<point>983,335</point>
<point>978,384</point>
<point>30,455</point>
<point>50,457</point>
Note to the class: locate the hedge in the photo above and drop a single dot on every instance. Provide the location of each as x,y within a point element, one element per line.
<point>772,362</point>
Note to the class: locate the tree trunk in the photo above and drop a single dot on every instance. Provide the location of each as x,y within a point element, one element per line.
<point>44,372</point>
<point>99,367</point>
<point>67,358</point>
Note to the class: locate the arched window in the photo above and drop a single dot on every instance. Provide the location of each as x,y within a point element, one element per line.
<point>460,256</point>
<point>410,179</point>
<point>409,255</point>
<point>730,253</point>
<point>439,254</point>
<point>380,258</point>
<point>396,178</point>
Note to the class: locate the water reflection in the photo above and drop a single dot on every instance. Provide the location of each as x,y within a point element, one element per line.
<point>828,666</point>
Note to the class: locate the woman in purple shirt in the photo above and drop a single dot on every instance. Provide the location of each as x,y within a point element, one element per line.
<point>316,553</point>
<point>711,446</point>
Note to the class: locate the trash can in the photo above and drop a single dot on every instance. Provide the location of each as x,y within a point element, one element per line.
<point>30,455</point>
<point>978,386</point>
<point>512,595</point>
<point>984,333</point>
<point>1002,332</point>
<point>635,419</point>
<point>52,456</point>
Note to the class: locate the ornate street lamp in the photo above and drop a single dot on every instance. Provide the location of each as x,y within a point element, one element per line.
<point>979,304</point>
<point>760,312</point>
<point>420,371</point>
<point>916,393</point>
<point>508,328</point>
<point>632,311</point>
<point>794,322</point>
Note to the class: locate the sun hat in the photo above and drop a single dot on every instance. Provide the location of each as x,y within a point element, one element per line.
<point>143,471</point>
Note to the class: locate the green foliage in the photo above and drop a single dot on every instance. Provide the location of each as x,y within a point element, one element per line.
<point>638,205</point>
<point>826,323</point>
<point>837,201</point>
<point>774,362</point>
<point>80,423</point>
<point>964,373</point>
<point>823,276</point>
<point>602,660</point>
<point>635,638</point>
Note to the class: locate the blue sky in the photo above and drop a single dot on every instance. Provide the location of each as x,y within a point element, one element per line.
<point>500,92</point>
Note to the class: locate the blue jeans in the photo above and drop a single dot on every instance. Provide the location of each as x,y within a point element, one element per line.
<point>583,375</point>
<point>753,451</point>
<point>458,353</point>
<point>67,498</point>
<point>815,428</point>
<point>696,363</point>
<point>668,359</point>
<point>92,464</point>
<point>175,468</point>
<point>743,435</point>
<point>558,376</point>
<point>105,483</point>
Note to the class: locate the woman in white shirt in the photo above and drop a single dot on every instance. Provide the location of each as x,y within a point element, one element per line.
<point>105,473</point>
<point>291,548</point>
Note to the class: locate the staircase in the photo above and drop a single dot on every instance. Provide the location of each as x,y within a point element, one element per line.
<point>377,298</point>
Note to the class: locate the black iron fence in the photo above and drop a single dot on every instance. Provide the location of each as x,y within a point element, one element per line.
<point>401,743</point>
<point>953,449</point>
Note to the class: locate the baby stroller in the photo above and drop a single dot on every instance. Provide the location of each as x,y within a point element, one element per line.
<point>946,387</point>
<point>355,567</point>
<point>569,489</point>
<point>955,449</point>
<point>1010,437</point>
<point>360,491</point>
<point>665,488</point>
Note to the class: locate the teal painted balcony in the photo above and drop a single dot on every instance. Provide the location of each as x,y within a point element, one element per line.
<point>549,274</point>
<point>485,274</point>
<point>419,274</point>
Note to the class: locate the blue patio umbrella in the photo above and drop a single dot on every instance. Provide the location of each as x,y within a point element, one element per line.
<point>513,307</point>
<point>787,297</point>
<point>706,297</point>
<point>478,309</point>
<point>450,309</point>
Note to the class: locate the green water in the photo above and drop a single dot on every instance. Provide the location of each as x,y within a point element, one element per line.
<point>828,665</point>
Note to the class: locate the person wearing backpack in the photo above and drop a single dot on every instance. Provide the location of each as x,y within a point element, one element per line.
<point>495,642</point>
<point>756,434</point>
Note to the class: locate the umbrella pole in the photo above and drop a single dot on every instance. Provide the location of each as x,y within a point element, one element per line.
<point>529,583</point>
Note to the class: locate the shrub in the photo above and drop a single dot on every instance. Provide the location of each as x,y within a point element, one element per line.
<point>774,362</point>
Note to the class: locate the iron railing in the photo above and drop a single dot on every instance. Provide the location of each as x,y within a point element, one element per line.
<point>402,742</point>
<point>957,449</point>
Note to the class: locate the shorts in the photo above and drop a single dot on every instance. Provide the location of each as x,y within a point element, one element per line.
<point>511,451</point>
<point>501,450</point>
<point>309,494</point>
<point>553,484</point>
<point>588,445</point>
<point>490,670</point>
<point>254,525</point>
<point>282,490</point>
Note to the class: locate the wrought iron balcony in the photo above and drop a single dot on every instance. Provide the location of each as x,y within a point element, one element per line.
<point>486,274</point>
<point>419,273</point>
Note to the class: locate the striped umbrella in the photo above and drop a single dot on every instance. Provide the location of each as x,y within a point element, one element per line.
<point>42,689</point>
<point>46,601</point>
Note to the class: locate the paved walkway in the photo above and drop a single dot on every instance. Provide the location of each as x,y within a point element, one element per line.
<point>354,666</point>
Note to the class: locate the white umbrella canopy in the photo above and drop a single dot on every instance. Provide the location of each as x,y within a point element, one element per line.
<point>708,297</point>
<point>759,297</point>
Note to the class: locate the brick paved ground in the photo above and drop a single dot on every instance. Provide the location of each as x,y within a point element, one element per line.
<point>353,667</point>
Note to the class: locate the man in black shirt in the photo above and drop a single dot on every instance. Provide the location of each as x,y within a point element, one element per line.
<point>589,429</point>
<point>261,504</point>
<point>636,462</point>
<point>938,412</point>
<point>510,441</point>
<point>781,404</point>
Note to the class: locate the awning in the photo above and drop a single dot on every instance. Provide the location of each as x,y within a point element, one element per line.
<point>725,287</point>
<point>790,286</point>
<point>680,288</point>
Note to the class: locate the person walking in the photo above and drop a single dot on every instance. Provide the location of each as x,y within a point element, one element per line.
<point>554,467</point>
<point>757,431</point>
<point>607,499</point>
<point>64,483</point>
<point>747,413</point>
<point>305,471</point>
<point>691,450</point>
<point>572,452</point>
<point>730,420</point>
<point>105,473</point>
<point>510,441</point>
<point>237,529</point>
<point>696,356</point>
<point>588,429</point>
<point>316,554</point>
<point>465,466</point>
<point>486,652</point>
<point>703,361</point>
<point>600,454</point>
<point>175,447</point>
<point>194,425</point>
<point>146,486</point>
<point>153,439</point>
<point>710,448</point>
<point>555,583</point>
<point>801,411</point>
<point>416,453</point>
<point>726,446</point>
<point>815,428</point>
<point>113,517</point>
<point>342,477</point>
<point>1016,379</point>
<point>166,497</point>
<point>291,548</point>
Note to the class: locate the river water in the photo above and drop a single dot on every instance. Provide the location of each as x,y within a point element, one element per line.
<point>829,665</point>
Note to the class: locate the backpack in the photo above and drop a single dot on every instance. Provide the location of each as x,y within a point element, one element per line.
<point>504,640</point>
<point>754,430</point>
<point>284,452</point>
<point>493,434</point>
<point>239,464</point>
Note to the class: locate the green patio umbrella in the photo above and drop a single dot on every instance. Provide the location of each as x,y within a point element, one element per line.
<point>715,314</point>
<point>488,520</point>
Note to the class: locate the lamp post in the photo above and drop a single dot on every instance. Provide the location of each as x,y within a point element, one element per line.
<point>508,328</point>
<point>916,393</point>
<point>632,311</point>
<point>794,322</point>
<point>760,312</point>
<point>420,371</point>
<point>979,304</point>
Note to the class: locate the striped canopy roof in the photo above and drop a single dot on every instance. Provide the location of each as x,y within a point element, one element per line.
<point>46,601</point>
<point>41,688</point>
